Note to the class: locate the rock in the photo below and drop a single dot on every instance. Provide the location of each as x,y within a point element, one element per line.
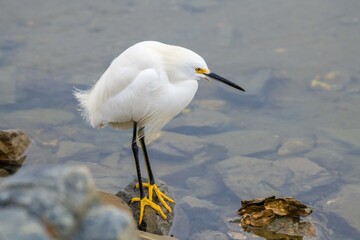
<point>294,146</point>
<point>152,222</point>
<point>252,177</point>
<point>18,224</point>
<point>208,234</point>
<point>106,222</point>
<point>64,201</point>
<point>13,144</point>
<point>246,142</point>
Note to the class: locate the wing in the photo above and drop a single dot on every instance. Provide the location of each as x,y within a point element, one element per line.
<point>132,64</point>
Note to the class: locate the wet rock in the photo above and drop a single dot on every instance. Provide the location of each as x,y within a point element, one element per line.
<point>152,222</point>
<point>295,146</point>
<point>246,142</point>
<point>13,144</point>
<point>208,234</point>
<point>65,202</point>
<point>252,177</point>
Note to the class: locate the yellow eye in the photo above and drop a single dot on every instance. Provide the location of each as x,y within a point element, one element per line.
<point>198,70</point>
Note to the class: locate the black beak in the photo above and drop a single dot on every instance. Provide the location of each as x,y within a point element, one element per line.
<point>224,80</point>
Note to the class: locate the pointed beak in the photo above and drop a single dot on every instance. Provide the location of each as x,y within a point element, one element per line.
<point>223,80</point>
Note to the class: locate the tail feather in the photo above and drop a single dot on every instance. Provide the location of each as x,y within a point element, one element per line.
<point>83,102</point>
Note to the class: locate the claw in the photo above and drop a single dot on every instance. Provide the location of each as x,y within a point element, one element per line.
<point>160,195</point>
<point>146,202</point>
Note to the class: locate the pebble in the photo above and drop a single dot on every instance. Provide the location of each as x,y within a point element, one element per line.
<point>246,142</point>
<point>250,178</point>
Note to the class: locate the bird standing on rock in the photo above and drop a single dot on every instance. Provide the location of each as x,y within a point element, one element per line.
<point>144,88</point>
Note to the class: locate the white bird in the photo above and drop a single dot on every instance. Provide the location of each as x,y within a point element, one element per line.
<point>145,87</point>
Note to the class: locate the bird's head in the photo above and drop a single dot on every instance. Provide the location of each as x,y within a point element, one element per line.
<point>196,68</point>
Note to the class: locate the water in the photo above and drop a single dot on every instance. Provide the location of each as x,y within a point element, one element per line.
<point>295,132</point>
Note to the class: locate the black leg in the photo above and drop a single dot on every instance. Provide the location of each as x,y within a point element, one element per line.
<point>135,150</point>
<point>147,162</point>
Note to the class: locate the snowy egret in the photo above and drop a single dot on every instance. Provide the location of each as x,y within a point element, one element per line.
<point>144,88</point>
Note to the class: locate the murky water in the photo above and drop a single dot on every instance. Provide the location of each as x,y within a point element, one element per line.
<point>295,132</point>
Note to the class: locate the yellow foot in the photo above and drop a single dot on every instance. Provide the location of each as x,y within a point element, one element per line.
<point>146,202</point>
<point>160,195</point>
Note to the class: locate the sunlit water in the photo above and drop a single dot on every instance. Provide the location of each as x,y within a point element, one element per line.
<point>295,132</point>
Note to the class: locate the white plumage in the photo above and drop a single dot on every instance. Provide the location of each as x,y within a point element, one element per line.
<point>149,83</point>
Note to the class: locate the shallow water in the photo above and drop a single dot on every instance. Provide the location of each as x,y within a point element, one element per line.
<point>295,132</point>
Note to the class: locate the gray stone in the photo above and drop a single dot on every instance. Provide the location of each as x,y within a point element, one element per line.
<point>294,146</point>
<point>63,199</point>
<point>251,178</point>
<point>18,224</point>
<point>246,142</point>
<point>152,222</point>
<point>113,224</point>
<point>13,144</point>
